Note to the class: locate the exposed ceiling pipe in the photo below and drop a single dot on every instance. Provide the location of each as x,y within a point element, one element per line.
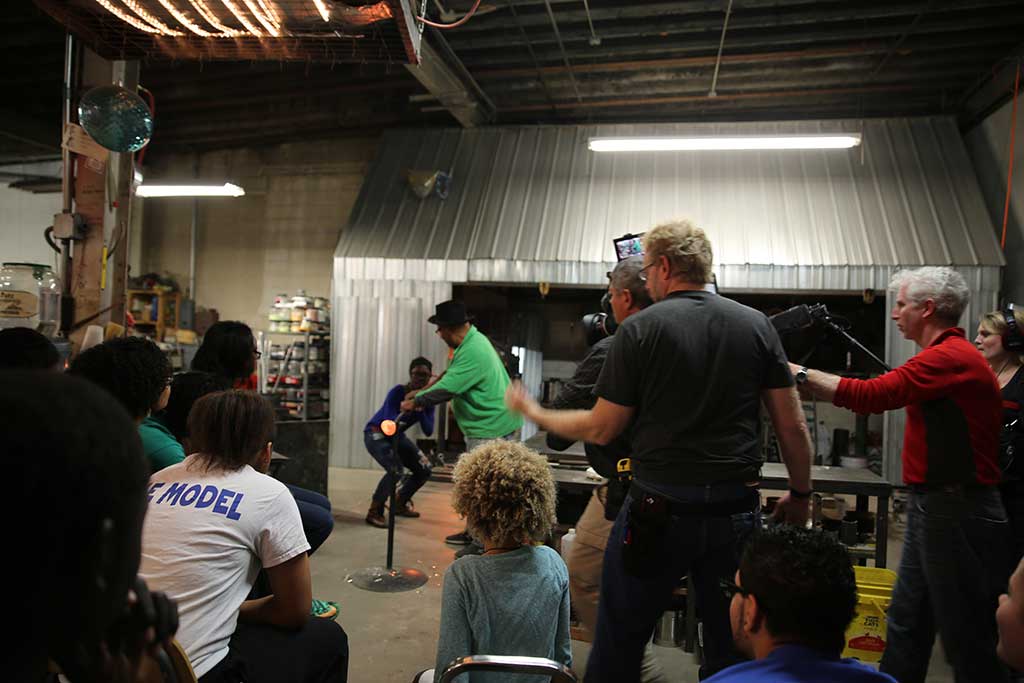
<point>594,39</point>
<point>899,41</point>
<point>561,48</point>
<point>721,45</point>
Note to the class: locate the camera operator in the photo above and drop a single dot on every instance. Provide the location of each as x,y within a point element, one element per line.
<point>626,295</point>
<point>692,370</point>
<point>955,555</point>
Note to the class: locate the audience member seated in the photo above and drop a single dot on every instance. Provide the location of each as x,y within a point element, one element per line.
<point>229,350</point>
<point>236,520</point>
<point>186,389</point>
<point>514,598</point>
<point>137,373</point>
<point>21,347</point>
<point>1010,620</point>
<point>76,499</point>
<point>794,596</point>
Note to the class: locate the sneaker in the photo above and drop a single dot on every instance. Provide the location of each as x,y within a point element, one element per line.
<point>471,549</point>
<point>324,609</point>
<point>461,538</point>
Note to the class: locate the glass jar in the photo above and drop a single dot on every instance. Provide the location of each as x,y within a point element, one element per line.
<point>29,297</point>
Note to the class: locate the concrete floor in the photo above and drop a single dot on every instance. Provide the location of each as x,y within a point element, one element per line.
<point>392,636</point>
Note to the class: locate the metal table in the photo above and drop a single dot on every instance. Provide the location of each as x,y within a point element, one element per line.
<point>863,484</point>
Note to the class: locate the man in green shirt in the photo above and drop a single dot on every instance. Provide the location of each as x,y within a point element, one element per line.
<point>474,382</point>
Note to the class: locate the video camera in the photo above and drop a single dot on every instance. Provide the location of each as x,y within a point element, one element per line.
<point>803,317</point>
<point>600,325</point>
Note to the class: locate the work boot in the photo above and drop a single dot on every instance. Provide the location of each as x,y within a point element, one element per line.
<point>375,517</point>
<point>404,508</point>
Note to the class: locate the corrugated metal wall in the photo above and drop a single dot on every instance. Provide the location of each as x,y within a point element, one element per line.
<point>378,326</point>
<point>533,204</point>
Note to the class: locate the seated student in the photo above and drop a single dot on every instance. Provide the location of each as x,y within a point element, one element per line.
<point>514,598</point>
<point>76,498</point>
<point>21,347</point>
<point>794,596</point>
<point>236,520</point>
<point>229,350</point>
<point>186,389</point>
<point>1010,620</point>
<point>137,373</point>
<point>189,387</point>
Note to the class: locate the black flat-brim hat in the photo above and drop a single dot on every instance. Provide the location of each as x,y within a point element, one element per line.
<point>449,313</point>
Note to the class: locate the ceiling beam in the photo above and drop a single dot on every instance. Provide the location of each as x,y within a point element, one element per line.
<point>448,88</point>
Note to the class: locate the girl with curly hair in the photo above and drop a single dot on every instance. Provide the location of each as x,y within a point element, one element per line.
<point>514,598</point>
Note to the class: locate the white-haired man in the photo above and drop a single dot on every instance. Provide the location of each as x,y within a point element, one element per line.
<point>955,559</point>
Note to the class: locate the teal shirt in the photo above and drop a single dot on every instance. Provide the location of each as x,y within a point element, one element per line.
<point>514,603</point>
<point>161,448</point>
<point>478,381</point>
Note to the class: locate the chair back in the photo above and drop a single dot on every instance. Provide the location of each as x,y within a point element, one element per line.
<point>559,673</point>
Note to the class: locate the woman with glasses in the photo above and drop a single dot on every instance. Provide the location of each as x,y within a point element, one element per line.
<point>229,351</point>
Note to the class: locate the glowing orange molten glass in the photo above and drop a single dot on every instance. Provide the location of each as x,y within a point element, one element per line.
<point>388,427</point>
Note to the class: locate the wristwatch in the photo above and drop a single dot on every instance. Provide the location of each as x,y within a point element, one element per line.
<point>801,375</point>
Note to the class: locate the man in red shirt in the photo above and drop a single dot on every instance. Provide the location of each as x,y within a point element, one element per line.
<point>955,561</point>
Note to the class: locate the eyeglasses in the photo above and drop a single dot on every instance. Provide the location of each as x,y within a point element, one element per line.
<point>642,274</point>
<point>730,589</point>
<point>257,353</point>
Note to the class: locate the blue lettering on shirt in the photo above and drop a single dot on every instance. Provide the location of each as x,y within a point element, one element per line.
<point>183,494</point>
<point>204,500</point>
<point>173,492</point>
<point>190,495</point>
<point>153,488</point>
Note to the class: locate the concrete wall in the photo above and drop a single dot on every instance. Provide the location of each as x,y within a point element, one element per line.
<point>23,217</point>
<point>988,145</point>
<point>278,238</point>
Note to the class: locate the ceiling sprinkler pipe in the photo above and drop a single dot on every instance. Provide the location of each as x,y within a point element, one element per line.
<point>721,44</point>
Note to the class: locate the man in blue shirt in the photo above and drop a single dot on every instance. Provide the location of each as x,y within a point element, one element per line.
<point>794,595</point>
<point>379,446</point>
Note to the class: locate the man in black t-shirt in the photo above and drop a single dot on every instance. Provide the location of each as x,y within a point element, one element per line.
<point>690,373</point>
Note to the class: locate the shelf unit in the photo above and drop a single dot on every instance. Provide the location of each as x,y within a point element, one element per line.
<point>168,310</point>
<point>277,387</point>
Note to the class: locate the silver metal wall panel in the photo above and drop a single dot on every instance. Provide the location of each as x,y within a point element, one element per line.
<point>378,326</point>
<point>907,196</point>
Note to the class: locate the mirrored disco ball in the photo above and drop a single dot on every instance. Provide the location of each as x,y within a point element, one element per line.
<point>116,118</point>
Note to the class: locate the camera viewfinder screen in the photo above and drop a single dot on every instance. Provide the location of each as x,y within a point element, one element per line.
<point>629,245</point>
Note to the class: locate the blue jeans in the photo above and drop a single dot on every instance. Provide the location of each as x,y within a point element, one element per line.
<point>955,563</point>
<point>408,456</point>
<point>315,511</point>
<point>707,548</point>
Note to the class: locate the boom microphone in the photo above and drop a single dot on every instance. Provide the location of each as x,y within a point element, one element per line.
<point>796,318</point>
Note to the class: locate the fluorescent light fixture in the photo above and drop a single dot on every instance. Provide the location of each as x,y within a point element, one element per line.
<point>225,190</point>
<point>728,142</point>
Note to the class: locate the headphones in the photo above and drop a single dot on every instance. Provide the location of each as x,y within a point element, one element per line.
<point>1013,340</point>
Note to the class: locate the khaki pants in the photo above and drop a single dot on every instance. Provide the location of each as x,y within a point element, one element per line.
<point>585,563</point>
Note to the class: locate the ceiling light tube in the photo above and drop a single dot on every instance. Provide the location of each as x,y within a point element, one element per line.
<point>727,142</point>
<point>225,190</point>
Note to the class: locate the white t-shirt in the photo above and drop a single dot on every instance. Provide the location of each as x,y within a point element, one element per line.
<point>206,536</point>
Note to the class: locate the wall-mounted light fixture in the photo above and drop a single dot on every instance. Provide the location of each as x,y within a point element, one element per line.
<point>225,190</point>
<point>726,142</point>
